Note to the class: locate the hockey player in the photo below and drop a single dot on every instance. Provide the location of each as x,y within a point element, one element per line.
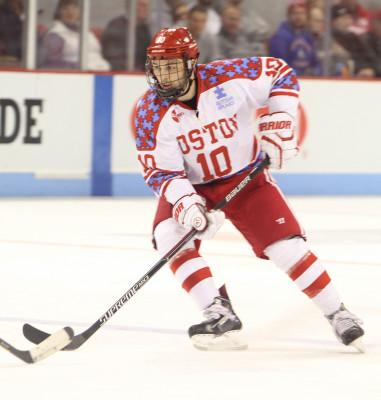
<point>195,136</point>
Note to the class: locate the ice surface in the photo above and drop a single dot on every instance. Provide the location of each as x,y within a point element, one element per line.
<point>66,261</point>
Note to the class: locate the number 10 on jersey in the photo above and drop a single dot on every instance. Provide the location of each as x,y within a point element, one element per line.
<point>216,164</point>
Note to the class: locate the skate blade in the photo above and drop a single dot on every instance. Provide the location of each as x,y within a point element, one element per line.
<point>358,345</point>
<point>228,341</point>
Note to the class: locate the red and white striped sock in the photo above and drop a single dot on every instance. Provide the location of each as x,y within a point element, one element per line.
<point>191,270</point>
<point>308,273</point>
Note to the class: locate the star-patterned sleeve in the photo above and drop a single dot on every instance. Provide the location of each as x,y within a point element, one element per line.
<point>284,92</point>
<point>160,157</point>
<point>273,81</point>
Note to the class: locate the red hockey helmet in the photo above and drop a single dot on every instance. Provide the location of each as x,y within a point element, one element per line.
<point>172,44</point>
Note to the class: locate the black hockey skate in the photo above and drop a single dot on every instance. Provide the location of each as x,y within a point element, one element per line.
<point>220,330</point>
<point>347,328</point>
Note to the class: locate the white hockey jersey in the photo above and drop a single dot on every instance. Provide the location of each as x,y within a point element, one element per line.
<point>178,146</point>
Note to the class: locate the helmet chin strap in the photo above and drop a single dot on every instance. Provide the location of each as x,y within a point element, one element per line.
<point>192,65</point>
<point>190,83</point>
<point>170,94</point>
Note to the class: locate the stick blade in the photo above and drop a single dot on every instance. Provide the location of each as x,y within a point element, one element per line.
<point>52,344</point>
<point>37,336</point>
<point>33,334</point>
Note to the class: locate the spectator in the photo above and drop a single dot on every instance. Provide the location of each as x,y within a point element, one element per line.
<point>163,14</point>
<point>254,25</point>
<point>360,16</point>
<point>114,39</point>
<point>61,43</point>
<point>316,21</point>
<point>339,58</point>
<point>315,4</point>
<point>213,22</point>
<point>11,30</point>
<point>360,53</point>
<point>373,39</point>
<point>316,27</point>
<point>180,15</point>
<point>294,43</point>
<point>233,41</point>
<point>207,43</point>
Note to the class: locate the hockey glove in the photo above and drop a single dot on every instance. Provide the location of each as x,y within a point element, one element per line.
<point>190,212</point>
<point>278,139</point>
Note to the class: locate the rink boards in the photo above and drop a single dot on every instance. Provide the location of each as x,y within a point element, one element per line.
<point>69,134</point>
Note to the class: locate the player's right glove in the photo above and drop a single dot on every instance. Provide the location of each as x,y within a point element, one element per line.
<point>190,212</point>
<point>278,139</point>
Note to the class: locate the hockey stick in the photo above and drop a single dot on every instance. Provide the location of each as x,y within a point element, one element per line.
<point>36,336</point>
<point>50,345</point>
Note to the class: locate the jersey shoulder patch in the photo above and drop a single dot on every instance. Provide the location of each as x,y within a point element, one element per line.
<point>150,110</point>
<point>287,82</point>
<point>217,72</point>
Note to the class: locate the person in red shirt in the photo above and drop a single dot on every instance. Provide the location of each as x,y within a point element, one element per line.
<point>361,16</point>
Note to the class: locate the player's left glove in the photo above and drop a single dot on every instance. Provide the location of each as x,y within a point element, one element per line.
<point>190,212</point>
<point>278,139</point>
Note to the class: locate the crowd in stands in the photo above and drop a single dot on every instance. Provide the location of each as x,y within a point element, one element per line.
<point>222,28</point>
<point>11,31</point>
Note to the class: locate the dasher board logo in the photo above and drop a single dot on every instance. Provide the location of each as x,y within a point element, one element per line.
<point>20,118</point>
<point>223,99</point>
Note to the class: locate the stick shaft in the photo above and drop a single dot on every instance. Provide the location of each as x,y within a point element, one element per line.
<point>36,335</point>
<point>178,246</point>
